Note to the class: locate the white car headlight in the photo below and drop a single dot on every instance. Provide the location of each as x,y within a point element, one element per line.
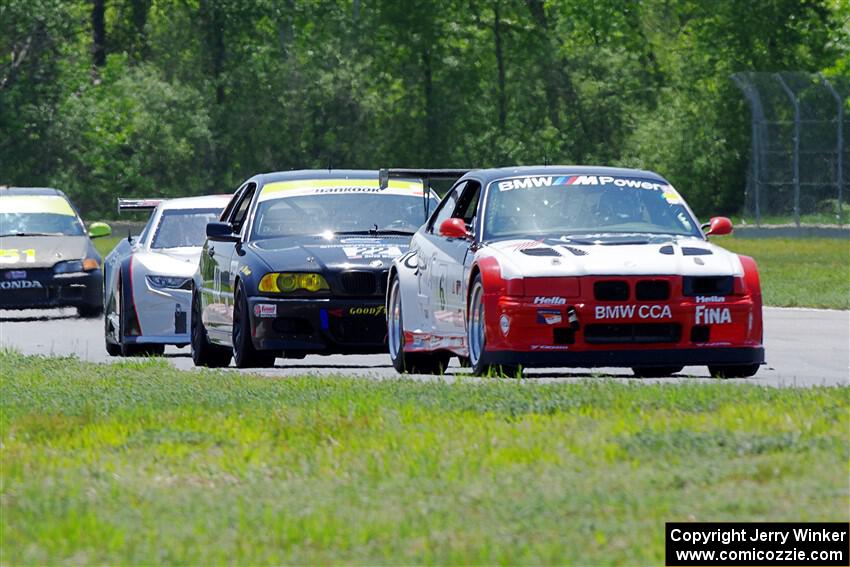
<point>68,267</point>
<point>170,282</point>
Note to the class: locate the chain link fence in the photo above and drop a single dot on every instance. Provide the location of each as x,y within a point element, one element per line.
<point>799,162</point>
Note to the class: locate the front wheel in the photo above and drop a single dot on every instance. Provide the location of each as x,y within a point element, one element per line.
<point>205,353</point>
<point>244,353</point>
<point>90,311</point>
<point>734,371</point>
<point>655,371</point>
<point>412,362</point>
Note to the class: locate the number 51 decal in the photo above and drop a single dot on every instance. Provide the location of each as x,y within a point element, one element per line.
<point>13,256</point>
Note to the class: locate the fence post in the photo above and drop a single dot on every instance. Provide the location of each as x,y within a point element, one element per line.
<point>796,156</point>
<point>757,118</point>
<point>839,144</point>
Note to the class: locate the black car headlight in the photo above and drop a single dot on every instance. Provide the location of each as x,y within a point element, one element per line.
<point>288,282</point>
<point>169,282</point>
<point>68,267</point>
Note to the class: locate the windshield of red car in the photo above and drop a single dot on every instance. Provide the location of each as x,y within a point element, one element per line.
<point>584,204</point>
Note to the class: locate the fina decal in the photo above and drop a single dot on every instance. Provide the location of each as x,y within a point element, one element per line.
<point>629,311</point>
<point>532,182</point>
<point>265,310</point>
<point>710,299</point>
<point>368,252</point>
<point>546,317</point>
<point>712,315</point>
<point>541,300</point>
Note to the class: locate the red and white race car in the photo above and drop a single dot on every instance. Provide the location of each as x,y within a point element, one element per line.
<point>572,266</point>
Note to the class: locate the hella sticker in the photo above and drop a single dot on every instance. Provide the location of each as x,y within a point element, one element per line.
<point>710,299</point>
<point>542,300</point>
<point>712,315</point>
<point>265,310</point>
<point>549,317</point>
<point>16,275</point>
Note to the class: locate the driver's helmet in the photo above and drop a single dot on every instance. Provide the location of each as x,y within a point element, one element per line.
<point>618,205</point>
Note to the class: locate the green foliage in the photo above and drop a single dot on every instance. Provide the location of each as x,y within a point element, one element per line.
<point>799,272</point>
<point>198,95</point>
<point>137,462</point>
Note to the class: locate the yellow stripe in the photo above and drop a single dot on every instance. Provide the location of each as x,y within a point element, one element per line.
<point>332,183</point>
<point>35,204</point>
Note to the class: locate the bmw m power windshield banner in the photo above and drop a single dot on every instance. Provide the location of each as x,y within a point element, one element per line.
<point>741,543</point>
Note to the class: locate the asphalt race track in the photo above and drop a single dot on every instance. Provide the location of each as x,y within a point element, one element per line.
<point>805,347</point>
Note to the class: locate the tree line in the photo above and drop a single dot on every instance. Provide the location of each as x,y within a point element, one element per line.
<point>107,98</point>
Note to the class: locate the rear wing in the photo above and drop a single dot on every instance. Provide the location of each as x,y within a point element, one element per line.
<point>384,175</point>
<point>126,205</point>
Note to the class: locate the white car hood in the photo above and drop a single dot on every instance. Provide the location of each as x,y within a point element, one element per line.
<point>171,261</point>
<point>702,258</point>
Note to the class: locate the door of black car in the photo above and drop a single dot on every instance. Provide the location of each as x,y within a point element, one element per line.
<point>448,256</point>
<point>220,256</point>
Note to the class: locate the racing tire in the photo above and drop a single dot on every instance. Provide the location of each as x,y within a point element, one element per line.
<point>476,337</point>
<point>205,353</point>
<point>112,349</point>
<point>410,362</point>
<point>244,353</point>
<point>655,371</point>
<point>734,371</point>
<point>142,349</point>
<point>89,311</point>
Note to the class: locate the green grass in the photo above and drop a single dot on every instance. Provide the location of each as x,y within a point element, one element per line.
<point>137,462</point>
<point>105,244</point>
<point>799,272</point>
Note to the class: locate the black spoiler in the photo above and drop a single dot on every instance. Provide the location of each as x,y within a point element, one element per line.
<point>384,175</point>
<point>138,204</point>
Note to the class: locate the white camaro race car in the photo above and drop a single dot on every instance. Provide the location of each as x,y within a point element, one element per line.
<point>147,285</point>
<point>572,266</point>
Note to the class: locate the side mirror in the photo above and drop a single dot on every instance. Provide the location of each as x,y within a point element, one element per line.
<point>718,226</point>
<point>454,228</point>
<point>99,229</point>
<point>221,231</point>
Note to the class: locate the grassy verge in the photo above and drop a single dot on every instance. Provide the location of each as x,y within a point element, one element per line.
<point>799,272</point>
<point>138,462</point>
<point>106,244</point>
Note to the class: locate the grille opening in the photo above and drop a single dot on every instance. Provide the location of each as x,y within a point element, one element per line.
<point>633,333</point>
<point>359,283</point>
<point>292,326</point>
<point>563,336</point>
<point>652,290</point>
<point>615,290</point>
<point>707,285</point>
<point>700,334</point>
<point>691,251</point>
<point>540,252</point>
<point>369,330</point>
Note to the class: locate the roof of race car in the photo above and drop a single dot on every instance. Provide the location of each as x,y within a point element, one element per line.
<point>30,191</point>
<point>487,175</point>
<point>297,174</point>
<point>206,201</point>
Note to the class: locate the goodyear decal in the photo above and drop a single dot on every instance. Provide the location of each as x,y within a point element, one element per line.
<point>532,182</point>
<point>53,204</point>
<point>331,186</point>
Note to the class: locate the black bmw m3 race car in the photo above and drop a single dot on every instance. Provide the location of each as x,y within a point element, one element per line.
<point>46,256</point>
<point>298,264</point>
